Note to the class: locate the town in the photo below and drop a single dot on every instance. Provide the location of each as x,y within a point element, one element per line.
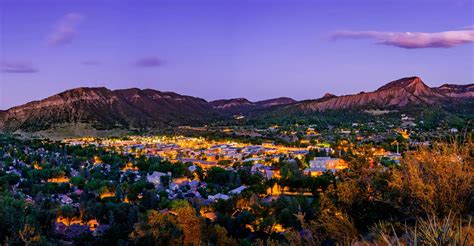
<point>236,123</point>
<point>87,179</point>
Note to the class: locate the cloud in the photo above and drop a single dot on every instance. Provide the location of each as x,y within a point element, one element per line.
<point>91,63</point>
<point>412,40</point>
<point>148,62</point>
<point>17,67</point>
<point>65,31</point>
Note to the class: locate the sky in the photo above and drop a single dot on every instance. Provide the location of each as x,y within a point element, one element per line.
<point>257,49</point>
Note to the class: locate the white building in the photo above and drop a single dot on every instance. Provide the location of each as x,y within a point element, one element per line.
<point>321,164</point>
<point>238,190</point>
<point>218,196</point>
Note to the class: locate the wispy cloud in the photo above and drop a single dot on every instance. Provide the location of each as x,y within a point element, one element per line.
<point>150,61</point>
<point>65,31</point>
<point>91,63</point>
<point>17,67</point>
<point>412,40</point>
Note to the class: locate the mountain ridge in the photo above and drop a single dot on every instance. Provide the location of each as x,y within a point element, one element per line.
<point>243,105</point>
<point>398,93</point>
<point>149,109</point>
<point>108,108</point>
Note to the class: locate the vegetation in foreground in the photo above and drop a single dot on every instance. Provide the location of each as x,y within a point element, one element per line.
<point>426,200</point>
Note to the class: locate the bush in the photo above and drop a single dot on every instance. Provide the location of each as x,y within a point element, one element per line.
<point>436,181</point>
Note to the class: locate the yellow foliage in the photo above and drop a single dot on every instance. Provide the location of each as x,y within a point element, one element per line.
<point>161,228</point>
<point>190,224</point>
<point>437,181</point>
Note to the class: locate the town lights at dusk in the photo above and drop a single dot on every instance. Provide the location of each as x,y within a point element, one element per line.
<point>258,122</point>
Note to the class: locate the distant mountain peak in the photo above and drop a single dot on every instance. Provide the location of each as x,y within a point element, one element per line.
<point>275,102</point>
<point>243,105</point>
<point>329,95</point>
<point>403,83</point>
<point>459,91</point>
<point>398,93</point>
<point>467,87</point>
<point>225,103</point>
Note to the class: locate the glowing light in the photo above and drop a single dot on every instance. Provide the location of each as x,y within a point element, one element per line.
<point>59,180</point>
<point>107,194</point>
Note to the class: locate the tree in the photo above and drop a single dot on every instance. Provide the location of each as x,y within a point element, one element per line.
<point>217,175</point>
<point>156,228</point>
<point>29,235</point>
<point>222,239</point>
<point>290,170</point>
<point>165,180</point>
<point>78,181</point>
<point>188,221</point>
<point>12,216</point>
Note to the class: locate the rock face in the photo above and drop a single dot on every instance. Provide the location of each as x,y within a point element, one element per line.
<point>243,106</point>
<point>104,108</point>
<point>398,93</point>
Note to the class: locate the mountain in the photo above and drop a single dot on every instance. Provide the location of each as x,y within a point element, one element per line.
<point>275,102</point>
<point>233,106</point>
<point>398,93</point>
<point>452,90</point>
<point>104,108</point>
<point>244,106</point>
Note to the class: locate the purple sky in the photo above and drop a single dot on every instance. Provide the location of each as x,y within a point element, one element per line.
<point>231,48</point>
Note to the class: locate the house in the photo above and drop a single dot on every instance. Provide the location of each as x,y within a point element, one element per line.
<point>252,160</point>
<point>345,131</point>
<point>192,168</point>
<point>256,167</point>
<point>218,196</point>
<point>173,186</point>
<point>268,173</point>
<point>238,190</point>
<point>155,178</point>
<point>321,164</point>
<point>75,227</point>
<point>64,199</point>
<point>201,163</point>
<point>194,184</point>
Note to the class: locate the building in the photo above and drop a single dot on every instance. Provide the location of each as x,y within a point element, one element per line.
<point>321,164</point>
<point>218,196</point>
<point>155,178</point>
<point>238,190</point>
